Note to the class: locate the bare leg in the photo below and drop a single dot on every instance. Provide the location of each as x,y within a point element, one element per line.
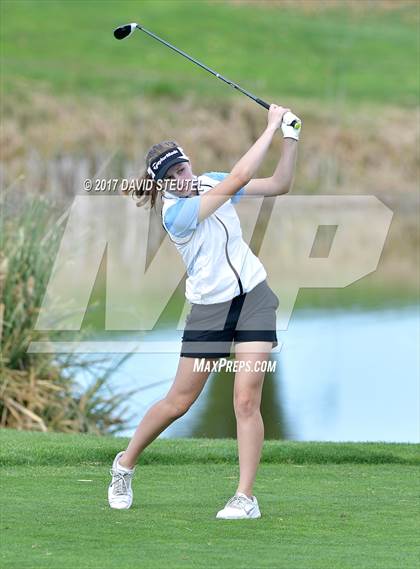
<point>185,389</point>
<point>247,401</point>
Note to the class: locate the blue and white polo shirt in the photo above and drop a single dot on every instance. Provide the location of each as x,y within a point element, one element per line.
<point>219,263</point>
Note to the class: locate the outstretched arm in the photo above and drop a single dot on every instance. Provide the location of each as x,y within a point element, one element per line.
<point>244,169</point>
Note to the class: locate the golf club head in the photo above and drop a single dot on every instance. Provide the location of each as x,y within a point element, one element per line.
<point>123,32</point>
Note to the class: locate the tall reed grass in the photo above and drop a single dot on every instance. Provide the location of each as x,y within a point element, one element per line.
<point>39,391</point>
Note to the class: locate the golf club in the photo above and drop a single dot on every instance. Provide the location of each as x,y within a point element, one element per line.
<point>123,32</point>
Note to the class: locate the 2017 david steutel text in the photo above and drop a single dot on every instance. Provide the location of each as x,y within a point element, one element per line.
<point>113,185</point>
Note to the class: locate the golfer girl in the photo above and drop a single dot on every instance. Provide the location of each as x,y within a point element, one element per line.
<point>230,299</point>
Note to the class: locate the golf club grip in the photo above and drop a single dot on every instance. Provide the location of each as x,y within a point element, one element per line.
<point>267,106</point>
<point>262,103</point>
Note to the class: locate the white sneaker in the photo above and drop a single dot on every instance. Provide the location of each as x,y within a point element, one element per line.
<point>240,507</point>
<point>120,494</point>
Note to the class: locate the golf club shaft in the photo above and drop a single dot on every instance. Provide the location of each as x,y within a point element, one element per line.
<point>231,83</point>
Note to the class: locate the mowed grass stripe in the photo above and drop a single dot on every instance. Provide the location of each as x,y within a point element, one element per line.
<point>314,516</point>
<point>30,448</point>
<point>367,55</point>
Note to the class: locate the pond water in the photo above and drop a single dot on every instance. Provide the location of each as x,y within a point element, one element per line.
<point>340,376</point>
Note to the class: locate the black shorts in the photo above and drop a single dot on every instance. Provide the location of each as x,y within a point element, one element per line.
<point>211,328</point>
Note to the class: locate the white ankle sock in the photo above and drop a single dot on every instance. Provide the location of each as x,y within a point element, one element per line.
<point>124,468</point>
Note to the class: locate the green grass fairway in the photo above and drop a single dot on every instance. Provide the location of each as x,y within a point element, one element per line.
<point>326,506</point>
<point>365,55</point>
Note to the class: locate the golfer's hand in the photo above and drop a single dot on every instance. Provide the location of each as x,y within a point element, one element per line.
<point>291,125</point>
<point>275,116</point>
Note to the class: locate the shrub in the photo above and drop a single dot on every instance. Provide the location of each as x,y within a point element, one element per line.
<point>38,391</point>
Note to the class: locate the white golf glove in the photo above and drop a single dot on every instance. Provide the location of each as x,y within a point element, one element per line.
<point>290,131</point>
